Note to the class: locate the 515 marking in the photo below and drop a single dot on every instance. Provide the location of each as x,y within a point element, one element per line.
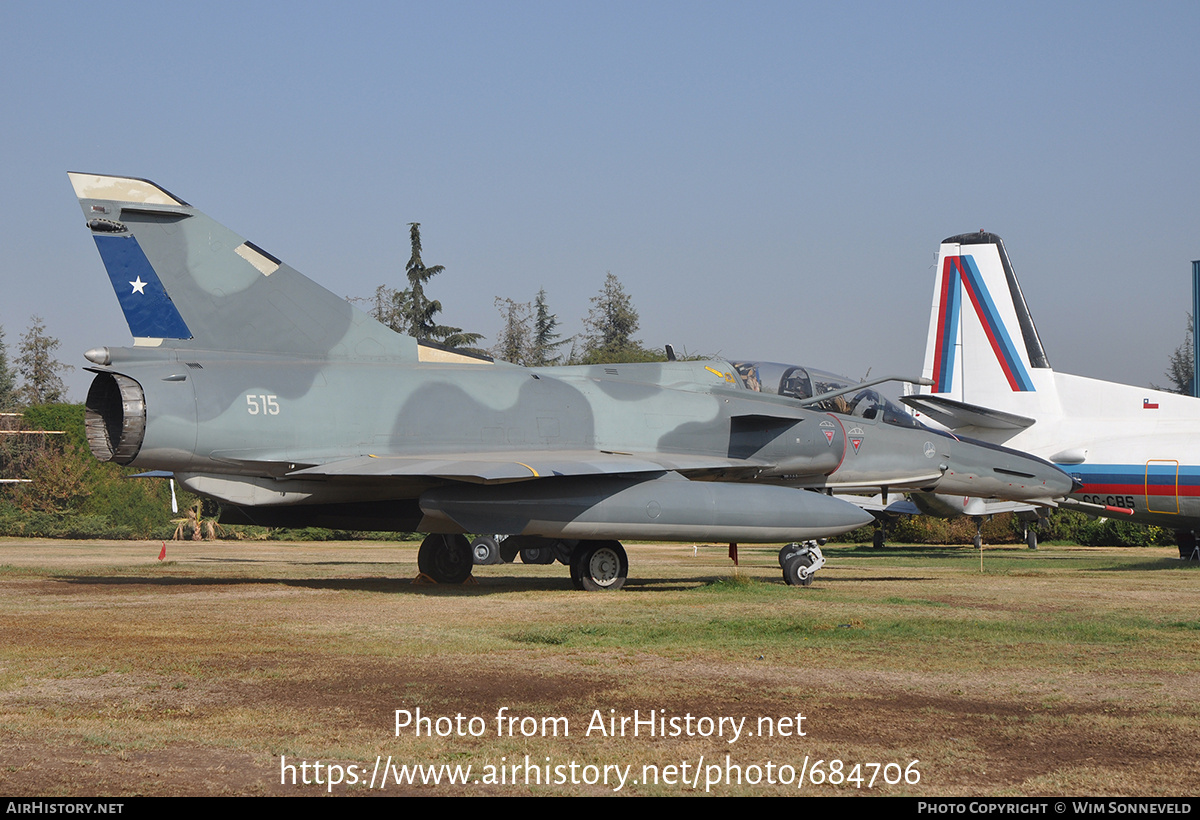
<point>262,405</point>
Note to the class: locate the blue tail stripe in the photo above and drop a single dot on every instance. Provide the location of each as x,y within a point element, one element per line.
<point>147,307</point>
<point>1007,352</point>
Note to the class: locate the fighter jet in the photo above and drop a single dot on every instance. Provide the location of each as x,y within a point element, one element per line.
<point>256,387</point>
<point>1133,450</point>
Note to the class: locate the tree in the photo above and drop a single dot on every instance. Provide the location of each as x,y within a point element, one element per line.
<point>412,312</point>
<point>8,379</point>
<point>1180,369</point>
<point>530,334</point>
<point>609,327</point>
<point>420,309</point>
<point>390,307</point>
<point>40,372</point>
<point>514,342</point>
<point>546,338</point>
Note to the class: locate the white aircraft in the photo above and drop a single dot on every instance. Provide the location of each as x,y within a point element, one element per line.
<point>1135,450</point>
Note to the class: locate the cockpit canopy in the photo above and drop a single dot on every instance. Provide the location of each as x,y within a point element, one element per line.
<point>805,382</point>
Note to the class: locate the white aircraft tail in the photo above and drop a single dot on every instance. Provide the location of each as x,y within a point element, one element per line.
<point>983,353</point>
<point>982,345</point>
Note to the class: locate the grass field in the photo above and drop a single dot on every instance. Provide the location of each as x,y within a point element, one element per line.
<point>1067,671</point>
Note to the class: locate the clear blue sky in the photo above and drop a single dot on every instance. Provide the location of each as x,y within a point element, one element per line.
<point>767,180</point>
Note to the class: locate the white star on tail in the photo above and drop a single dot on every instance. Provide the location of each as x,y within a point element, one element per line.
<point>139,285</point>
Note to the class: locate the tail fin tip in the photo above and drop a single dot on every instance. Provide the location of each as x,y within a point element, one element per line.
<point>121,189</point>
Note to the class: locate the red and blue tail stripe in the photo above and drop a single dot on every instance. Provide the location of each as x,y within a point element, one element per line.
<point>947,330</point>
<point>962,269</point>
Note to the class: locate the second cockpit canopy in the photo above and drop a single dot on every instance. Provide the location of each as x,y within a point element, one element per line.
<point>805,382</point>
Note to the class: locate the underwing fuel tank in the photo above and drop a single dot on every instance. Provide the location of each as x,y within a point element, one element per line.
<point>640,508</point>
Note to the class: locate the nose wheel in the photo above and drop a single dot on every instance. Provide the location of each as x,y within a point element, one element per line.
<point>800,563</point>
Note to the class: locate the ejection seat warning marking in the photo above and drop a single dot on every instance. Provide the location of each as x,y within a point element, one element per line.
<point>726,376</point>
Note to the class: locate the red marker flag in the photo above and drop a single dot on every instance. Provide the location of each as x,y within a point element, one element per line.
<point>163,553</point>
<point>733,553</point>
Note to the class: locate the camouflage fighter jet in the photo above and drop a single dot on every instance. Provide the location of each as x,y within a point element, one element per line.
<point>258,388</point>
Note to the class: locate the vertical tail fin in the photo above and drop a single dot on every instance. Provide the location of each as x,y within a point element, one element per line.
<point>185,281</point>
<point>982,343</point>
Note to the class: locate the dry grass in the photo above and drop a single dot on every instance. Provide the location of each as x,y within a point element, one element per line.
<point>1059,672</point>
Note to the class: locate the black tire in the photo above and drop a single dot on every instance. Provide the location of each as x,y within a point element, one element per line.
<point>787,552</point>
<point>1031,538</point>
<point>538,555</point>
<point>879,538</point>
<point>599,566</point>
<point>792,574</point>
<point>485,550</point>
<point>445,558</point>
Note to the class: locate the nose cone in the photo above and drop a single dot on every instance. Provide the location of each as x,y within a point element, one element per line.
<point>840,517</point>
<point>1024,476</point>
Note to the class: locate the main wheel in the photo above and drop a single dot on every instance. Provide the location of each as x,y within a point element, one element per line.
<point>793,570</point>
<point>445,558</point>
<point>485,550</point>
<point>599,565</point>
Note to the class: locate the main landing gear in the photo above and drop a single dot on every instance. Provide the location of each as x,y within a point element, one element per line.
<point>595,565</point>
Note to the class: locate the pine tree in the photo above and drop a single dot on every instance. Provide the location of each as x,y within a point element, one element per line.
<point>1181,368</point>
<point>546,338</point>
<point>410,311</point>
<point>8,379</point>
<point>420,310</point>
<point>609,328</point>
<point>514,343</point>
<point>40,372</point>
